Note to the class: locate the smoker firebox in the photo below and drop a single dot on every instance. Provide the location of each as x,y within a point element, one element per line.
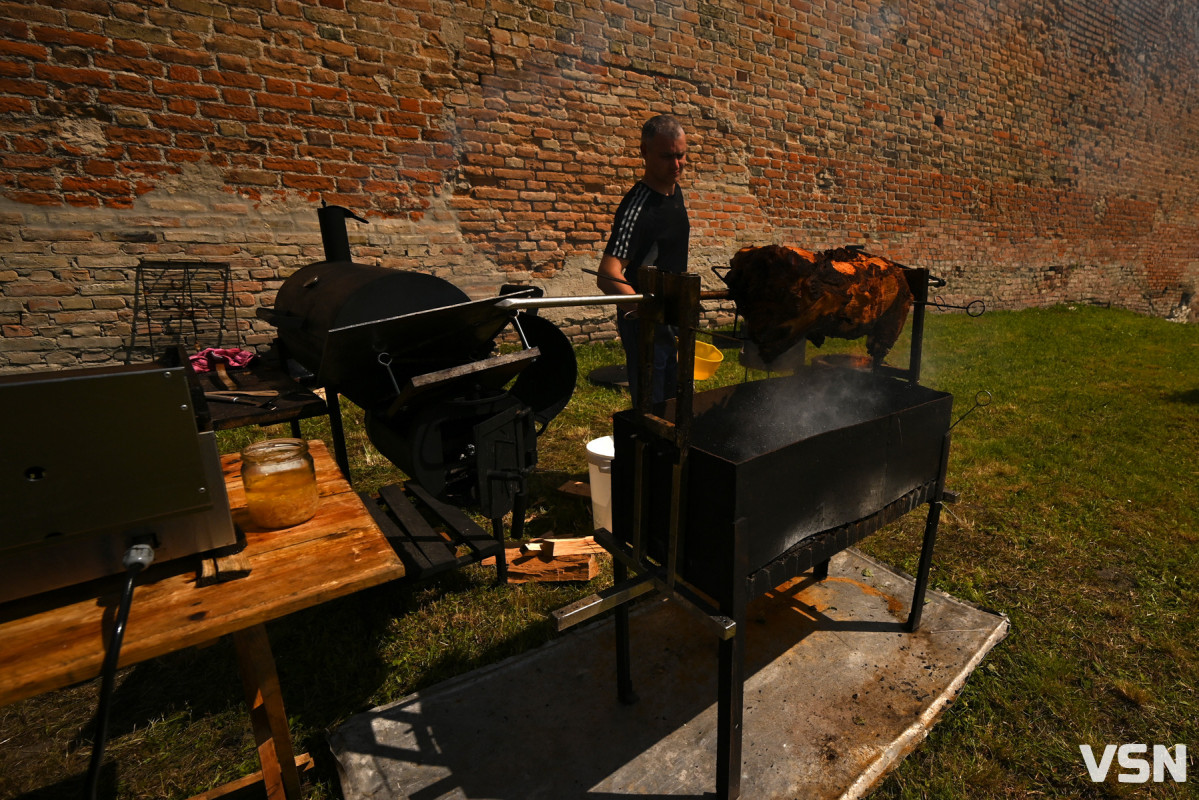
<point>791,456</point>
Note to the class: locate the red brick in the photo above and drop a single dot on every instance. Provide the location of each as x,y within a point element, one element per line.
<point>24,50</point>
<point>15,105</point>
<point>282,102</point>
<point>72,75</point>
<point>130,47</point>
<point>69,38</point>
<point>179,55</point>
<point>309,182</point>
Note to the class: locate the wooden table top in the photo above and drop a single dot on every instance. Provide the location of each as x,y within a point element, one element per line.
<point>59,638</point>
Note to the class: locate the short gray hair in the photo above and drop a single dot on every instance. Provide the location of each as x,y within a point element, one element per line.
<point>663,124</point>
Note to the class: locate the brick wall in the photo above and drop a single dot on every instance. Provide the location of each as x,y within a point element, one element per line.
<point>1032,153</point>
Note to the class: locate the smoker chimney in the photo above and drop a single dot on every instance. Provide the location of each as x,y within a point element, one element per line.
<point>333,231</point>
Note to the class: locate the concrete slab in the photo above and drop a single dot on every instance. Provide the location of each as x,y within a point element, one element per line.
<point>836,695</point>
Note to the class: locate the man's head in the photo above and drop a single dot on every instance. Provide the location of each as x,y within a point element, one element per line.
<point>664,148</point>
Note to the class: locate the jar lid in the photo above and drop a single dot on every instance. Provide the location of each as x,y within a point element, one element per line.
<point>274,450</point>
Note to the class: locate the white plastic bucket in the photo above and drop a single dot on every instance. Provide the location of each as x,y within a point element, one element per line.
<point>599,468</point>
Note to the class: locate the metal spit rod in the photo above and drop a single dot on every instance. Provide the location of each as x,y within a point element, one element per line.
<point>519,303</point>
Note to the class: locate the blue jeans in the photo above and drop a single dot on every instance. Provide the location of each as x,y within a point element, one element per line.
<point>665,383</point>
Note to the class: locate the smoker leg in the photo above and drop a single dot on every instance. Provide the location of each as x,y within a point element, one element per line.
<point>333,402</point>
<point>518,515</point>
<point>624,677</point>
<point>729,713</point>
<point>926,562</point>
<point>501,558</point>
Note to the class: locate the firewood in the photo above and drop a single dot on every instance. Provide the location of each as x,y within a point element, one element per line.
<point>538,567</point>
<point>576,489</point>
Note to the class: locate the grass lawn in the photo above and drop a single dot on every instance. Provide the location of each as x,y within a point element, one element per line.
<point>1079,519</point>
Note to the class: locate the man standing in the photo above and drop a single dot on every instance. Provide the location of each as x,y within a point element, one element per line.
<point>650,229</point>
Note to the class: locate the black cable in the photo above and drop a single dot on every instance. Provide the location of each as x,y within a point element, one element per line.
<point>137,558</point>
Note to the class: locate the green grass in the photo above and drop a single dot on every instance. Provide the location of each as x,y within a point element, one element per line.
<point>1078,518</point>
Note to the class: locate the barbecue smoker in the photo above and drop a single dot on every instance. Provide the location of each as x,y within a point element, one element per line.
<point>419,357</point>
<point>723,495</point>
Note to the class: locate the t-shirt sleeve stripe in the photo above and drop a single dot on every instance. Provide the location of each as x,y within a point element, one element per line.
<point>622,235</point>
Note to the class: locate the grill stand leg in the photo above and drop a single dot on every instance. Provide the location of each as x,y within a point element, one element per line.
<point>930,540</point>
<point>926,562</point>
<point>820,571</point>
<point>624,677</point>
<point>333,402</point>
<point>730,702</point>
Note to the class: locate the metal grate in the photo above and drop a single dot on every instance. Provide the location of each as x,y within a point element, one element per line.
<point>181,303</point>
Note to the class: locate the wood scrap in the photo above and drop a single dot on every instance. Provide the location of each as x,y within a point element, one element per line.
<point>552,547</point>
<point>222,568</point>
<point>552,560</point>
<point>576,489</point>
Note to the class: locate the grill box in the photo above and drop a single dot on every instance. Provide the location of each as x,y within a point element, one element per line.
<point>794,456</point>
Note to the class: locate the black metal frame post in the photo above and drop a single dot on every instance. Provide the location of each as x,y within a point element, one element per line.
<point>933,521</point>
<point>624,677</point>
<point>730,704</point>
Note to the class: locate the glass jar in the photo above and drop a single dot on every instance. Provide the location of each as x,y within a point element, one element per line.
<point>280,482</point>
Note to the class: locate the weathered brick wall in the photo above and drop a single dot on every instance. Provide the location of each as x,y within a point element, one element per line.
<point>1032,153</point>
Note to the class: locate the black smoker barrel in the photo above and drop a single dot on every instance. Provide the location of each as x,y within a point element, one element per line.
<point>419,356</point>
<point>328,295</point>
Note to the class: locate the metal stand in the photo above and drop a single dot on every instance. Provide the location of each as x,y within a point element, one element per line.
<point>177,300</point>
<point>674,299</point>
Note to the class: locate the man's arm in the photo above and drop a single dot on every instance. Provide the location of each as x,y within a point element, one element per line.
<point>611,275</point>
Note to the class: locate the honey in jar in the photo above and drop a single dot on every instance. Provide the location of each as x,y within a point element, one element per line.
<point>280,482</point>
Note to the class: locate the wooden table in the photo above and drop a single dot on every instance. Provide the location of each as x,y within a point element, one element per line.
<point>59,638</point>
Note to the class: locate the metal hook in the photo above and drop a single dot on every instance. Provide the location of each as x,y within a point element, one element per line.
<point>982,399</point>
<point>975,308</point>
<point>520,332</point>
<point>385,360</point>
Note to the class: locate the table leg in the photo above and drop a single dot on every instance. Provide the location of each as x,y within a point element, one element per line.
<point>261,684</point>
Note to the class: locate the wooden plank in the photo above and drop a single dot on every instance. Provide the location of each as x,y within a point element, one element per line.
<point>533,567</point>
<point>66,645</point>
<point>469,530</point>
<point>431,544</point>
<point>414,558</point>
<point>576,489</point>
<point>248,787</point>
<point>267,715</point>
<point>552,547</point>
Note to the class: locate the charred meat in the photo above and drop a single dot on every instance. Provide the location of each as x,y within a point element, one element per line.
<point>786,294</point>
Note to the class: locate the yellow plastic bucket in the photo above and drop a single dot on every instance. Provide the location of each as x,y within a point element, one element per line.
<point>707,360</point>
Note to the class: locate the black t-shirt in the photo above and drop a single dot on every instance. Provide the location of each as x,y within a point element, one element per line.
<point>650,229</point>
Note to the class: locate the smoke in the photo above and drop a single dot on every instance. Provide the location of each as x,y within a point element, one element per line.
<point>742,422</point>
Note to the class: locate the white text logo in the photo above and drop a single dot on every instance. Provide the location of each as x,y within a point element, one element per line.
<point>1137,770</point>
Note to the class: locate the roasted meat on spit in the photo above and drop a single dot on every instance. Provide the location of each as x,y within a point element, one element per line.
<point>786,294</point>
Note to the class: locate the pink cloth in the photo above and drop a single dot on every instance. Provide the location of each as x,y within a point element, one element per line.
<point>205,360</point>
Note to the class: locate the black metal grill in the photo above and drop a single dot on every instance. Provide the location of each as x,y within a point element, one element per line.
<point>792,457</point>
<point>721,496</point>
<point>420,357</point>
